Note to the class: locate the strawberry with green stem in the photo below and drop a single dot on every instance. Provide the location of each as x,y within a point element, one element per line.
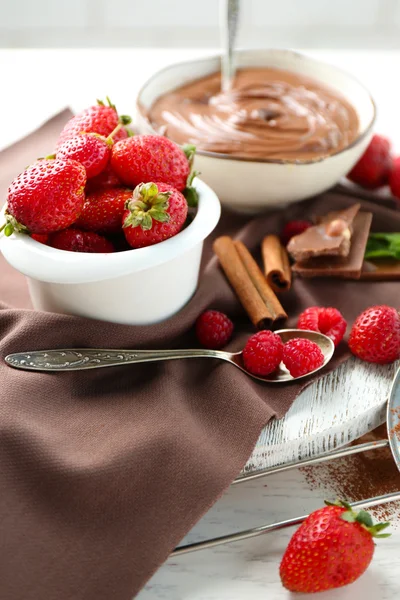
<point>46,197</point>
<point>92,150</point>
<point>155,213</point>
<point>148,158</point>
<point>101,118</point>
<point>332,548</point>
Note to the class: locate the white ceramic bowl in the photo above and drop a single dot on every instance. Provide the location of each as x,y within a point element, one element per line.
<point>253,186</point>
<point>135,287</point>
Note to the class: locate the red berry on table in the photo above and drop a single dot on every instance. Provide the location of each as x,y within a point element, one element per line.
<point>301,356</point>
<point>91,151</point>
<point>106,179</point>
<point>328,321</point>
<point>262,353</point>
<point>75,240</point>
<point>394,178</point>
<point>155,213</point>
<point>213,329</point>
<point>293,228</point>
<point>332,548</point>
<point>46,197</point>
<point>99,119</point>
<point>373,168</point>
<point>146,158</point>
<point>375,335</point>
<point>103,210</point>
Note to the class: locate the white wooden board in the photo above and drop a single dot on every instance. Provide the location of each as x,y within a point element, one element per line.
<point>332,412</point>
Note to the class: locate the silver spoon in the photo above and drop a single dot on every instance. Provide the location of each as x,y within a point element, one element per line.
<point>229,27</point>
<point>77,359</point>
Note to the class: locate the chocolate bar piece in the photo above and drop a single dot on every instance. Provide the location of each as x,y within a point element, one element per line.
<point>330,237</point>
<point>381,269</point>
<point>341,267</point>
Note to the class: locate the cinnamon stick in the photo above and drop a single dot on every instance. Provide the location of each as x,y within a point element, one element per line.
<point>268,296</point>
<point>276,264</point>
<point>241,270</point>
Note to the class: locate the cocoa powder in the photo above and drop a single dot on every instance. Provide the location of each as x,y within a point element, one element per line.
<point>361,476</point>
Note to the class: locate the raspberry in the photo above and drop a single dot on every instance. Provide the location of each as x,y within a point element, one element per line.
<point>293,228</point>
<point>263,353</point>
<point>213,329</point>
<point>301,356</point>
<point>328,321</point>
<point>373,168</point>
<point>375,335</point>
<point>394,179</point>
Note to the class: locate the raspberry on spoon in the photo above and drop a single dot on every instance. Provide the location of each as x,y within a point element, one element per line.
<point>301,356</point>
<point>263,353</point>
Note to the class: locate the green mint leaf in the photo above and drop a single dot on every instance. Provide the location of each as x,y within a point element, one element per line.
<point>383,245</point>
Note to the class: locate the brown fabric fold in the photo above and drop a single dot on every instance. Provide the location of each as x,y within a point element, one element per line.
<point>103,472</point>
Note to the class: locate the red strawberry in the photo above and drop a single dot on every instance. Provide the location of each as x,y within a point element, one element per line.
<point>332,547</point>
<point>146,158</point>
<point>46,197</point>
<point>103,210</point>
<point>293,228</point>
<point>375,335</point>
<point>394,178</point>
<point>92,151</point>
<point>106,179</point>
<point>40,237</point>
<point>155,213</point>
<point>99,119</point>
<point>373,168</point>
<point>75,240</point>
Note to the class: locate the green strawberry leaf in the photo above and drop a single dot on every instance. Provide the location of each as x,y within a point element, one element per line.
<point>190,151</point>
<point>159,215</point>
<point>364,518</point>
<point>147,222</point>
<point>191,195</point>
<point>350,517</point>
<point>125,119</point>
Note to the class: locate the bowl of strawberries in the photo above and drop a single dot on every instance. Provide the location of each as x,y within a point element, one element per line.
<point>107,221</point>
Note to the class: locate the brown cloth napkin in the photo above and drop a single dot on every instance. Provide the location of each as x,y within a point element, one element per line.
<point>103,472</point>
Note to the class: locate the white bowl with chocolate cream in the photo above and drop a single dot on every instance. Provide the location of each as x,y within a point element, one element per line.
<point>290,129</point>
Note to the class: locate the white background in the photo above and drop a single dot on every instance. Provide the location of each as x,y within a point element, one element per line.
<point>180,23</point>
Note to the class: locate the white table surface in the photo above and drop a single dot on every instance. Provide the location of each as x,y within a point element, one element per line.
<point>37,84</point>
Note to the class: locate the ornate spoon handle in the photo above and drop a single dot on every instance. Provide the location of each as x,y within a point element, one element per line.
<point>77,359</point>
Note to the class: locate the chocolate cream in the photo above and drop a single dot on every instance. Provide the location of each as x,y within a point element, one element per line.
<point>269,113</point>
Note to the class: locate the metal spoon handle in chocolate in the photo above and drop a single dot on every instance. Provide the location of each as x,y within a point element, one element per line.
<point>78,359</point>
<point>229,27</point>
